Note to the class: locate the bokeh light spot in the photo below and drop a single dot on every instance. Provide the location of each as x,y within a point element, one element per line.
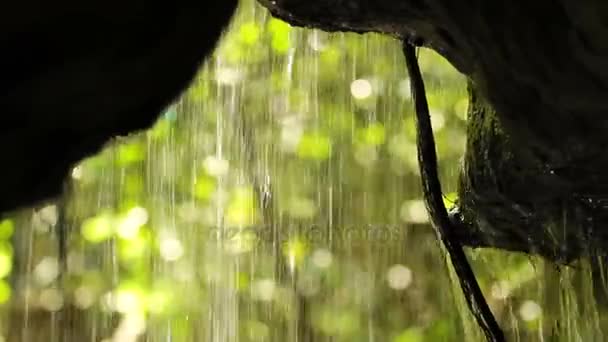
<point>5,292</point>
<point>399,277</point>
<point>204,187</point>
<point>171,249</point>
<point>128,300</point>
<point>215,166</point>
<point>98,228</point>
<point>7,228</point>
<point>263,289</point>
<point>228,76</point>
<point>530,311</point>
<point>301,207</point>
<point>361,89</point>
<point>130,224</point>
<point>46,271</point>
<point>414,211</point>
<point>314,146</point>
<point>249,33</point>
<point>51,299</point>
<point>84,297</point>
<point>374,134</point>
<point>322,258</point>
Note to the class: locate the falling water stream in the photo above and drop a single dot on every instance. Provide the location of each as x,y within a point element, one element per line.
<point>277,200</point>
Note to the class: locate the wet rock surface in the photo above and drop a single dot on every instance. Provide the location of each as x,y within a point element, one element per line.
<point>75,74</point>
<point>534,178</point>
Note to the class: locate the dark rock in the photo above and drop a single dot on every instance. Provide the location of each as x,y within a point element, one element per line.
<point>73,74</point>
<point>535,175</point>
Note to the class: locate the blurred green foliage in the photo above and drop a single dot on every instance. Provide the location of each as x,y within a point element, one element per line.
<point>277,200</point>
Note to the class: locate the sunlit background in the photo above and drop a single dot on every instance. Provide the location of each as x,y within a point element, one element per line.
<point>277,200</point>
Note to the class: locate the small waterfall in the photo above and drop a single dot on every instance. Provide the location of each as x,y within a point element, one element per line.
<point>277,200</point>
